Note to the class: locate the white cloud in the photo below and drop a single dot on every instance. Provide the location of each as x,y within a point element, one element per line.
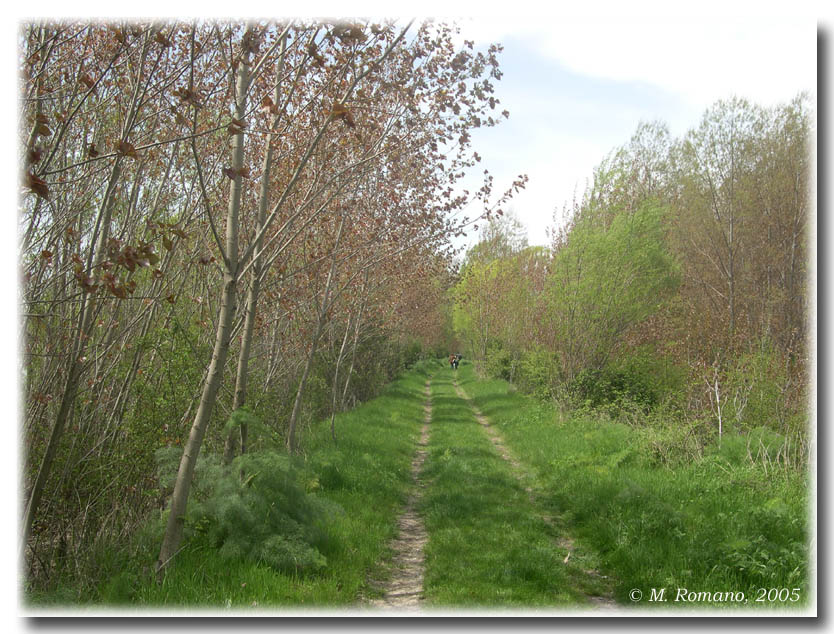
<point>699,58</point>
<point>644,67</point>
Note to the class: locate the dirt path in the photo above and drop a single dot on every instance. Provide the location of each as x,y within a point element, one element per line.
<point>519,472</point>
<point>404,590</point>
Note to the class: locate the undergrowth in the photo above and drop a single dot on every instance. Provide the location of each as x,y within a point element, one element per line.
<point>272,529</point>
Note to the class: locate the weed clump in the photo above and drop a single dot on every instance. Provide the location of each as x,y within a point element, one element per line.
<point>258,509</point>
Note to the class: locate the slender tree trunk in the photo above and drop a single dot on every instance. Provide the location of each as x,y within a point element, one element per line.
<point>254,289</point>
<point>339,359</point>
<point>76,364</point>
<point>182,487</point>
<point>325,304</point>
<point>355,342</point>
<point>83,334</point>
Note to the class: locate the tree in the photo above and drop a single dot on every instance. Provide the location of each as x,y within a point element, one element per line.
<point>603,280</point>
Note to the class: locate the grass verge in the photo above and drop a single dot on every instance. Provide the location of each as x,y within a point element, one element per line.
<point>721,524</point>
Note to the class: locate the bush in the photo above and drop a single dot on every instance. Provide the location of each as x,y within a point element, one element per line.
<point>536,373</point>
<point>762,392</point>
<point>499,363</point>
<point>257,509</point>
<point>603,387</point>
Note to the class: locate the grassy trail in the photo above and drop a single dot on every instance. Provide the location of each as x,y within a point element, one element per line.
<point>534,494</point>
<point>700,530</point>
<point>489,545</point>
<point>482,498</point>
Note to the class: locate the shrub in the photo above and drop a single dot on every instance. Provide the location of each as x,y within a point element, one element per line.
<point>606,386</point>
<point>536,373</point>
<point>257,509</point>
<point>499,363</point>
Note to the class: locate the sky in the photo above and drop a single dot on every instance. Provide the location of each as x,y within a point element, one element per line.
<point>578,86</point>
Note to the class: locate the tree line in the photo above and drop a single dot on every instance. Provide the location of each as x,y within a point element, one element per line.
<point>220,221</point>
<point>678,279</point>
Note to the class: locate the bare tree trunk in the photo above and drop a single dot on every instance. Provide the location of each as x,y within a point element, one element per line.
<point>339,359</point>
<point>179,499</point>
<point>355,342</point>
<point>325,304</point>
<point>254,289</point>
<point>182,487</point>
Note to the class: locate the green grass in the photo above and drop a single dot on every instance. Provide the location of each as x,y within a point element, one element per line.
<point>488,545</point>
<point>365,478</point>
<point>719,524</point>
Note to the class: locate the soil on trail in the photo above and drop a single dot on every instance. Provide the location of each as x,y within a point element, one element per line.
<point>404,590</point>
<point>563,542</point>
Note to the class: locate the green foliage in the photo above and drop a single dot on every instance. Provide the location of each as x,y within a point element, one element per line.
<point>762,390</point>
<point>602,387</point>
<point>605,278</point>
<point>259,510</point>
<point>537,372</point>
<point>639,379</point>
<point>499,362</point>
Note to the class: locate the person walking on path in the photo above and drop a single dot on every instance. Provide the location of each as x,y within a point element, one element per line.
<point>452,359</point>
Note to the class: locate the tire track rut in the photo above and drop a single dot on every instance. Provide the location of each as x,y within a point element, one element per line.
<point>404,590</point>
<point>566,543</point>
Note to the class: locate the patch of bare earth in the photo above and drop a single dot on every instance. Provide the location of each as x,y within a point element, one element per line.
<point>566,543</point>
<point>404,589</point>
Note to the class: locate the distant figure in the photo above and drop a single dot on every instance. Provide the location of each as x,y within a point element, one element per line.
<point>452,359</point>
<point>455,360</point>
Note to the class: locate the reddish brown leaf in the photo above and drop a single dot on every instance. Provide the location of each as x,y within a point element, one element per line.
<point>88,284</point>
<point>340,111</point>
<point>236,127</point>
<point>126,149</point>
<point>162,40</point>
<point>37,185</point>
<point>313,52</point>
<point>267,105</point>
<point>85,79</point>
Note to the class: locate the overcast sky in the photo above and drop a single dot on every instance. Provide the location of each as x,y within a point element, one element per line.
<point>577,87</point>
